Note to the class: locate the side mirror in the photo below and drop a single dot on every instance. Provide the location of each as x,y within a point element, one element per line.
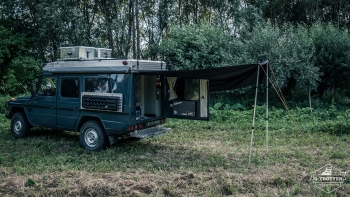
<point>33,89</point>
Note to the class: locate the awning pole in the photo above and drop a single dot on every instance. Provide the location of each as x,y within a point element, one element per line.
<point>256,96</point>
<point>267,107</point>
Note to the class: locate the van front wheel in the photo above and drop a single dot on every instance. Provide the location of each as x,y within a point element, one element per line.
<point>92,136</point>
<point>20,127</point>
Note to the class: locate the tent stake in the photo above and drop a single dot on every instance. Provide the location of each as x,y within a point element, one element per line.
<point>256,96</point>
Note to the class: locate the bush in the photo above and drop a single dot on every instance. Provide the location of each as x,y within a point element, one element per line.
<point>3,100</point>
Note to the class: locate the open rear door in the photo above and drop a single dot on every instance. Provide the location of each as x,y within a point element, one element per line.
<point>187,98</point>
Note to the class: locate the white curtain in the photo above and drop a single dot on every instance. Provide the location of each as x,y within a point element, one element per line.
<point>172,93</point>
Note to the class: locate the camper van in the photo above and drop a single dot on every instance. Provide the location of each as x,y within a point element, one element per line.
<point>105,99</point>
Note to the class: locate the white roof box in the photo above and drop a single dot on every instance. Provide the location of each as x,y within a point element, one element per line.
<point>102,53</point>
<point>77,53</point>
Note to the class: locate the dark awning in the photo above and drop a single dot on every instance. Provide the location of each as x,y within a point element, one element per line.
<point>222,78</point>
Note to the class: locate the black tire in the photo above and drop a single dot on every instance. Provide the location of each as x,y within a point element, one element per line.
<point>20,126</point>
<point>92,136</point>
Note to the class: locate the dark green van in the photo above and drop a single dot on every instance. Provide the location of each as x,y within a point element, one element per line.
<point>107,99</point>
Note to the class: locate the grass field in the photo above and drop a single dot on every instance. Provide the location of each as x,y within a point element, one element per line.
<point>196,158</point>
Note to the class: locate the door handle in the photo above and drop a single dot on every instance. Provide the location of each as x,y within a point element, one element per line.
<point>52,107</point>
<point>76,109</point>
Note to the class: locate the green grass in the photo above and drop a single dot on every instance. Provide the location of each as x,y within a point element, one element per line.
<point>196,158</point>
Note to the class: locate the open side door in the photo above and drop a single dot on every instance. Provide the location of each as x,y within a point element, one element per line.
<point>186,98</point>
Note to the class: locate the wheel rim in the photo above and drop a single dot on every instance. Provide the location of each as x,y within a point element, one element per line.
<point>91,137</point>
<point>17,127</point>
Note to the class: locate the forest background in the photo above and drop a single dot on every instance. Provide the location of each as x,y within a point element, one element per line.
<point>306,41</point>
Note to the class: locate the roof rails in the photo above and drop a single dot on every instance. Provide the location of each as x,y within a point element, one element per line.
<point>104,66</point>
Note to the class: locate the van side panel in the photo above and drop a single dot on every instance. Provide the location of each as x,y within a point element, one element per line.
<point>114,121</point>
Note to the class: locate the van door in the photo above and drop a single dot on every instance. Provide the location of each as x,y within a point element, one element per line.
<point>187,98</point>
<point>42,107</point>
<point>68,101</point>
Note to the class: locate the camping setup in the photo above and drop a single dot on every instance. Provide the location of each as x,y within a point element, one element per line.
<point>129,97</point>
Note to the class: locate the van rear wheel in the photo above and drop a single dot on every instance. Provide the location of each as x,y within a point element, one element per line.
<point>92,136</point>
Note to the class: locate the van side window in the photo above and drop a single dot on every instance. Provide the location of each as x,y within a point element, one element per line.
<point>47,87</point>
<point>192,89</point>
<point>96,84</point>
<point>119,82</point>
<point>70,87</point>
<point>183,89</point>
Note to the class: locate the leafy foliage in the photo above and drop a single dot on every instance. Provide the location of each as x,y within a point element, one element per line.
<point>17,79</point>
<point>3,100</point>
<point>308,47</point>
<point>290,51</point>
<point>18,66</point>
<point>197,47</point>
<point>332,56</point>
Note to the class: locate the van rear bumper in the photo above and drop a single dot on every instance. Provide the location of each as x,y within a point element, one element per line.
<point>150,132</point>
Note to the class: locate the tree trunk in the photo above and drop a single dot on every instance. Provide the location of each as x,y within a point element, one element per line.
<point>310,98</point>
<point>108,22</point>
<point>131,19</point>
<point>133,35</point>
<point>137,30</point>
<point>180,15</point>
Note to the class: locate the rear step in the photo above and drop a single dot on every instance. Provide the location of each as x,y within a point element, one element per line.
<point>150,132</point>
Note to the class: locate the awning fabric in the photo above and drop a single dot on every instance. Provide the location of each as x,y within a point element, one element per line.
<point>222,78</point>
